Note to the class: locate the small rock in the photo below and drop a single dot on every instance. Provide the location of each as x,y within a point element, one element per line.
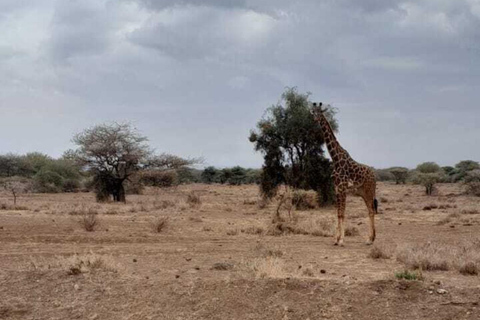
<point>134,260</point>
<point>431,292</point>
<point>431,288</point>
<point>399,223</point>
<point>1,228</point>
<point>177,276</point>
<point>323,271</point>
<point>438,282</point>
<point>197,268</point>
<point>76,286</point>
<point>147,277</point>
<point>452,226</point>
<point>188,259</point>
<point>442,291</point>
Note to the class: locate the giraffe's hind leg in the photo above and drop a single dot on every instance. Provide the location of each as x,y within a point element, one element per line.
<point>369,198</point>
<point>341,203</point>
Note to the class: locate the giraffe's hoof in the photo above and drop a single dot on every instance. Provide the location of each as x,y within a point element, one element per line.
<point>369,242</point>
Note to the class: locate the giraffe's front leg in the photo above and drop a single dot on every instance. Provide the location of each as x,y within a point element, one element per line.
<point>341,204</point>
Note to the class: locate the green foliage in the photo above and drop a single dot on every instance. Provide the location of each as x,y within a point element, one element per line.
<point>400,174</point>
<point>407,275</point>
<point>428,167</point>
<point>234,176</point>
<point>472,182</point>
<point>291,142</point>
<point>46,181</point>
<point>384,175</point>
<point>428,174</point>
<point>161,179</point>
<point>209,175</point>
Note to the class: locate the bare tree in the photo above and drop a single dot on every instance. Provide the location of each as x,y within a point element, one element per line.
<point>113,153</point>
<point>16,185</point>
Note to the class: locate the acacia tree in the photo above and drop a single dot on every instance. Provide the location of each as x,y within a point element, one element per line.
<point>400,174</point>
<point>115,152</point>
<point>16,185</point>
<point>291,142</point>
<point>428,174</point>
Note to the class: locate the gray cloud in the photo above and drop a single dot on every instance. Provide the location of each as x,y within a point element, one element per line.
<point>196,76</point>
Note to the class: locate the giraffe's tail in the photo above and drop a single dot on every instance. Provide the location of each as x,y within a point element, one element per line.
<point>375,206</point>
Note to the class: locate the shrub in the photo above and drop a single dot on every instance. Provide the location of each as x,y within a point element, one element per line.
<point>304,200</point>
<point>378,253</point>
<point>160,179</point>
<point>70,185</point>
<point>400,174</point>
<point>89,222</point>
<point>193,199</point>
<point>407,275</point>
<point>428,174</point>
<point>472,183</point>
<point>159,224</point>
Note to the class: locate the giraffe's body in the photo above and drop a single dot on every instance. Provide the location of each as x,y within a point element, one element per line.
<point>347,175</point>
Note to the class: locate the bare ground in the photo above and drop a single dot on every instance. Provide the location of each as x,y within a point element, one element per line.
<point>216,260</point>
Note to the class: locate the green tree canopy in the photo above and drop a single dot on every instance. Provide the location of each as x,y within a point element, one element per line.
<point>291,142</point>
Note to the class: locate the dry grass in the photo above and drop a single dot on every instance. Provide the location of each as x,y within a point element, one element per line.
<point>269,267</point>
<point>88,263</point>
<point>379,252</point>
<point>304,200</point>
<point>11,207</point>
<point>89,222</point>
<point>464,258</point>
<point>194,200</point>
<point>159,224</point>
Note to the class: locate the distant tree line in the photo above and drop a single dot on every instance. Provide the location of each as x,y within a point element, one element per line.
<point>430,173</point>
<point>43,173</point>
<point>232,176</point>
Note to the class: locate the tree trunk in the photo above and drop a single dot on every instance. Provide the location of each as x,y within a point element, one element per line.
<point>118,192</point>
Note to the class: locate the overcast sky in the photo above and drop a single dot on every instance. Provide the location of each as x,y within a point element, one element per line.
<point>195,76</point>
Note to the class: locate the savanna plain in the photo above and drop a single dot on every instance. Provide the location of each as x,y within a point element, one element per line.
<point>212,252</point>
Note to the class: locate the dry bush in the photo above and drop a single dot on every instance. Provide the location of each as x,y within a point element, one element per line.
<point>89,222</point>
<point>250,202</point>
<point>232,232</point>
<point>262,203</point>
<point>159,224</point>
<point>164,204</point>
<point>465,258</point>
<point>9,207</point>
<point>269,267</point>
<point>88,263</point>
<point>379,252</point>
<point>304,200</point>
<point>472,210</point>
<point>253,230</point>
<point>195,219</point>
<point>429,256</point>
<point>111,211</point>
<point>194,200</point>
<point>319,227</point>
<point>451,217</point>
<point>265,251</point>
<point>351,231</point>
<point>81,211</point>
<point>469,268</point>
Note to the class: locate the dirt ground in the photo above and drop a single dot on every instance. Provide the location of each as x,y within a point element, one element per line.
<point>218,260</point>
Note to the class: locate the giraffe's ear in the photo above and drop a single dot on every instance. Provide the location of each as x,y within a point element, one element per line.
<point>315,104</point>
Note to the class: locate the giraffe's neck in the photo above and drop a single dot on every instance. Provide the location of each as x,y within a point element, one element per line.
<point>334,148</point>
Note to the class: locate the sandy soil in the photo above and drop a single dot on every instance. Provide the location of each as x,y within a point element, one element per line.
<point>217,260</point>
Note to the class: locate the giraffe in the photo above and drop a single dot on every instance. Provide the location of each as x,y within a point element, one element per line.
<point>347,174</point>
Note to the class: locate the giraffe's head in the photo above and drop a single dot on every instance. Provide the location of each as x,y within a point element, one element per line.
<point>317,109</point>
